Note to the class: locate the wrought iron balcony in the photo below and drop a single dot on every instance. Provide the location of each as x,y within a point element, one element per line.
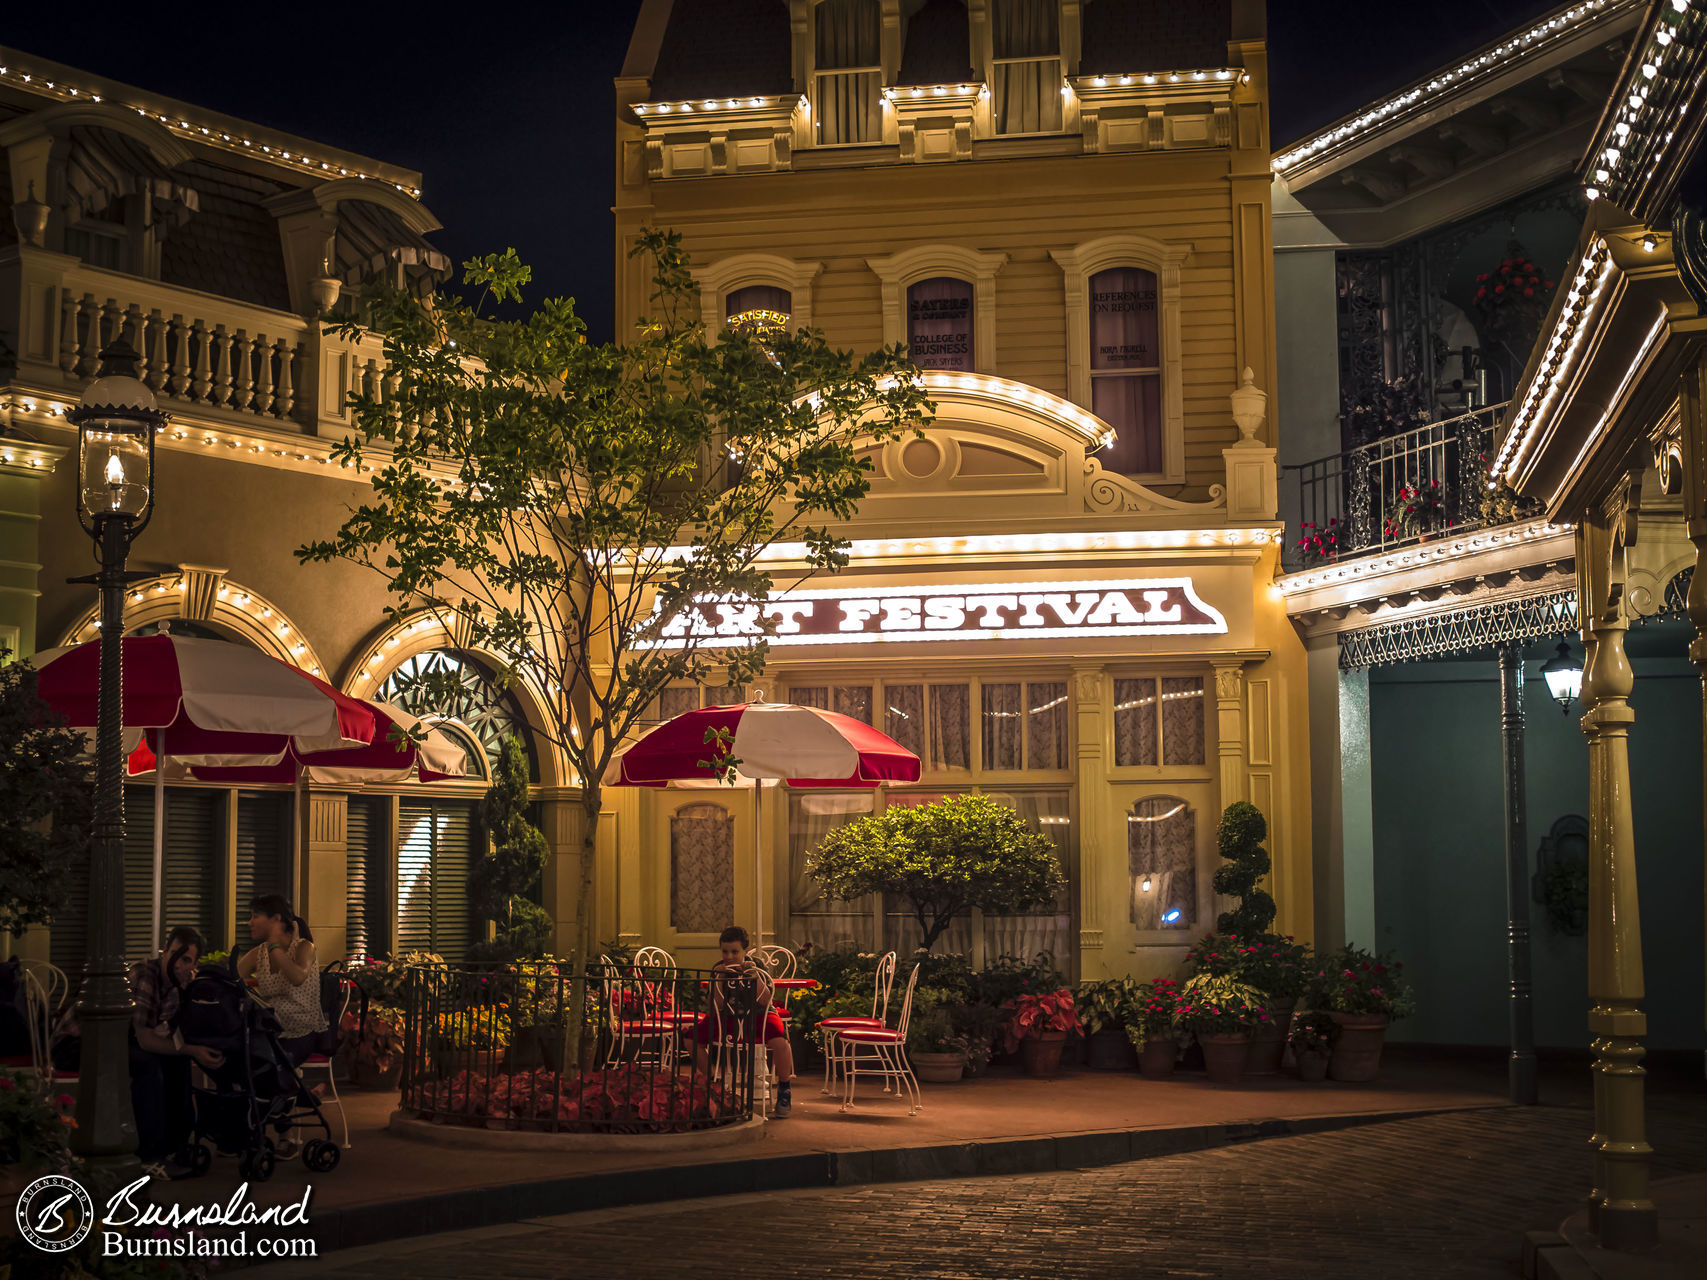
<point>1399,490</point>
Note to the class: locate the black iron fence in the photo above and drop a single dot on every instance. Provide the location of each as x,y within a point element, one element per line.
<point>496,1047</point>
<point>1400,489</point>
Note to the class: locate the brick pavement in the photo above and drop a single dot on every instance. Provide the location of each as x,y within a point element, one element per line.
<point>1444,1195</point>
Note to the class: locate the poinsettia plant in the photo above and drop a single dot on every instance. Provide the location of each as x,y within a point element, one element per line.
<point>1319,544</point>
<point>1415,510</point>
<point>1032,1017</point>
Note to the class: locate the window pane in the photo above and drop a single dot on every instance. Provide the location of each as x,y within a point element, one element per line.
<point>1024,28</point>
<point>1046,726</point>
<point>1161,854</point>
<point>1001,722</point>
<point>702,869</point>
<point>723,695</point>
<point>1123,320</point>
<point>852,700</point>
<point>675,701</point>
<point>818,696</point>
<point>1049,927</point>
<point>939,324</point>
<point>848,46</point>
<point>951,727</point>
<point>758,306</point>
<point>1132,405</point>
<point>904,715</point>
<point>849,33</point>
<point>1135,721</point>
<point>1182,721</point>
<point>827,924</point>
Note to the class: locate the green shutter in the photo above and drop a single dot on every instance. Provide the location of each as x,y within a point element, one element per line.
<point>263,847</point>
<point>436,845</point>
<point>368,850</point>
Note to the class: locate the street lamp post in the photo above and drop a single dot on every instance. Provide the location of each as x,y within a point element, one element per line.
<point>1521,1079</point>
<point>116,424</point>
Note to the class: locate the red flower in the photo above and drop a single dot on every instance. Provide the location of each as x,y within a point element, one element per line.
<point>1529,293</point>
<point>7,1084</point>
<point>1499,288</point>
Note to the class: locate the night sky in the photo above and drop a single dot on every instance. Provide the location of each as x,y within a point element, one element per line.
<point>511,123</point>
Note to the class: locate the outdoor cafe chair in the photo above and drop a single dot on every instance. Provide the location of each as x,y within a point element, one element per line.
<point>883,1052</point>
<point>830,1028</point>
<point>642,1030</point>
<point>323,1061</point>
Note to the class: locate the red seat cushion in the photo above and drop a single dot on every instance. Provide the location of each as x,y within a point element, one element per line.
<point>647,1027</point>
<point>835,1024</point>
<point>317,1060</point>
<point>871,1035</point>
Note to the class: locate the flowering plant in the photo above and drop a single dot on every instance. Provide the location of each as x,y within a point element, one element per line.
<point>1220,1004</point>
<point>1313,1033</point>
<point>1351,980</point>
<point>1032,1017</point>
<point>1415,509</point>
<point>1274,964</point>
<point>1105,1004</point>
<point>1154,1009</point>
<point>35,1123</point>
<point>1319,544</point>
<point>1512,297</point>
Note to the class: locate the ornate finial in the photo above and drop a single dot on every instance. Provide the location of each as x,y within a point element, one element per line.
<point>30,216</point>
<point>1250,405</point>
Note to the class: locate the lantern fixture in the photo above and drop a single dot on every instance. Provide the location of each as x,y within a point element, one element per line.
<point>1564,677</point>
<point>116,425</point>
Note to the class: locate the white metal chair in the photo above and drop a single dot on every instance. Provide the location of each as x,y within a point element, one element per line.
<point>886,1052</point>
<point>323,1061</point>
<point>882,982</point>
<point>45,989</point>
<point>643,1032</point>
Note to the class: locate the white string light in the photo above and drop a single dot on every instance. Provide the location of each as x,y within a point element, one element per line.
<point>1664,44</point>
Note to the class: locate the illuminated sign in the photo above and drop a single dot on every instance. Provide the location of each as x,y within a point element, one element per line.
<point>1013,610</point>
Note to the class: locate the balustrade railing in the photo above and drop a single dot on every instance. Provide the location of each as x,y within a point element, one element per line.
<point>1394,491</point>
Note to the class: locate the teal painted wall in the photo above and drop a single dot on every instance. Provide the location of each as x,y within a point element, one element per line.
<point>1439,843</point>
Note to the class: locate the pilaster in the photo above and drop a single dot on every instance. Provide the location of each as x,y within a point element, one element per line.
<point>1097,848</point>
<point>326,871</point>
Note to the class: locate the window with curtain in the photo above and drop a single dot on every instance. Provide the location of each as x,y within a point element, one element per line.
<point>1046,725</point>
<point>723,695</point>
<point>1049,927</point>
<point>1126,368</point>
<point>437,843</point>
<point>676,700</point>
<point>702,869</point>
<point>761,308</point>
<point>367,845</point>
<point>904,716</point>
<point>950,726</point>
<point>1025,65</point>
<point>1161,856</point>
<point>1024,726</point>
<point>826,924</point>
<point>848,47</point>
<point>1003,722</point>
<point>1159,721</point>
<point>939,324</point>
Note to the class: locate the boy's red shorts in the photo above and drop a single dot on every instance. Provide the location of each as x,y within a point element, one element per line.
<point>749,1029</point>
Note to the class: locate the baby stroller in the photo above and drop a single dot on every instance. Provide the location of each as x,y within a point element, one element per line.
<point>254,1090</point>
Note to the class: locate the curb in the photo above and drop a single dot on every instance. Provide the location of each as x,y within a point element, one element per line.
<point>475,1207</point>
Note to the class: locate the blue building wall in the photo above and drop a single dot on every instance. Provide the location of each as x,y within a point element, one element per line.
<point>1439,851</point>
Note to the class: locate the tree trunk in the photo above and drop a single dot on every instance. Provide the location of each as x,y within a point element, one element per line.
<point>581,955</point>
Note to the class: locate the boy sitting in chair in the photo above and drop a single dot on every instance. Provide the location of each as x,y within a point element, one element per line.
<point>740,982</point>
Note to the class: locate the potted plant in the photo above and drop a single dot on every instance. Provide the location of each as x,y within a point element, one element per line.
<point>1037,1027</point>
<point>1276,966</point>
<point>977,1024</point>
<point>1319,544</point>
<point>1152,1027</point>
<point>1312,1040</point>
<point>1416,511</point>
<point>1362,993</point>
<point>1221,1010</point>
<point>936,1052</point>
<point>371,1047</point>
<point>1105,1009</point>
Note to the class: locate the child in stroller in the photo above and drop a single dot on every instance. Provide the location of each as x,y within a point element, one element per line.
<point>254,1090</point>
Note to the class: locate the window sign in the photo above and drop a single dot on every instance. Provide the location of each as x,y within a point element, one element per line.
<point>939,324</point>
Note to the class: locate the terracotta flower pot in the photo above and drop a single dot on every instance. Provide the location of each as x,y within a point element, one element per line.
<point>1357,1050</point>
<point>1108,1051</point>
<point>1313,1067</point>
<point>1158,1058</point>
<point>938,1068</point>
<point>1224,1056</point>
<point>1268,1039</point>
<point>1042,1056</point>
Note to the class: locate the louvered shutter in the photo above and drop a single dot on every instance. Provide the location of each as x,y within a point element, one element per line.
<point>436,846</point>
<point>263,847</point>
<point>367,911</point>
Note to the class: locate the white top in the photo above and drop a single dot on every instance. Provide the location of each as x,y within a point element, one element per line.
<point>298,1007</point>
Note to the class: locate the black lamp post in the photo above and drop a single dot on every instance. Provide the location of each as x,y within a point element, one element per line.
<point>116,425</point>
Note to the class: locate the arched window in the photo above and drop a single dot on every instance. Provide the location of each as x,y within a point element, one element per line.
<point>451,685</point>
<point>1161,857</point>
<point>1025,65</point>
<point>1126,368</point>
<point>762,308</point>
<point>702,868</point>
<point>847,44</point>
<point>940,324</point>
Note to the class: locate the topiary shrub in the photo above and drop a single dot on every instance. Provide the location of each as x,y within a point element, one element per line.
<point>503,883</point>
<point>1243,829</point>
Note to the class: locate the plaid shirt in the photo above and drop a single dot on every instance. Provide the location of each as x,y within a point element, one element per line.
<point>156,999</point>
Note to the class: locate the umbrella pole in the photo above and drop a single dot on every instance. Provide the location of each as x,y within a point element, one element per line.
<point>158,904</point>
<point>296,842</point>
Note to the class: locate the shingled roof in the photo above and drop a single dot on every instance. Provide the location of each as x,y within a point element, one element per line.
<point>1154,35</point>
<point>723,48</point>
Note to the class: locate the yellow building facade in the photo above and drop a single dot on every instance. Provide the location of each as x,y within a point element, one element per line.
<point>1062,595</point>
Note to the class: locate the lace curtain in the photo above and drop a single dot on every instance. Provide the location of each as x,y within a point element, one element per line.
<point>826,924</point>
<point>702,868</point>
<point>1046,725</point>
<point>1126,385</point>
<point>674,701</point>
<point>1026,66</point>
<point>848,42</point>
<point>853,701</point>
<point>1161,856</point>
<point>951,727</point>
<point>817,697</point>
<point>1135,722</point>
<point>1182,720</point>
<point>1182,734</point>
<point>724,695</point>
<point>1047,928</point>
<point>904,715</point>
<point>939,324</point>
<point>1002,721</point>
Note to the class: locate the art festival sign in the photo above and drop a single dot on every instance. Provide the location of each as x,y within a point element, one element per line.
<point>980,611</point>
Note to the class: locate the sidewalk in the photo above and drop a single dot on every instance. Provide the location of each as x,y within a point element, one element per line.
<point>390,1186</point>
<point>1574,1254</point>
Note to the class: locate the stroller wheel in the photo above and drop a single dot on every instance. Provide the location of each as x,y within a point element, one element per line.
<point>321,1155</point>
<point>257,1164</point>
<point>195,1157</point>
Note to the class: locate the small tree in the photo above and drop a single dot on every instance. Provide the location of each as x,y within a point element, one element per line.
<point>503,882</point>
<point>1243,829</point>
<point>45,790</point>
<point>943,858</point>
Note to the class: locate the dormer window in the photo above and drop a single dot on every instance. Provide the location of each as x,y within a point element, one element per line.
<point>848,60</point>
<point>1026,74</point>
